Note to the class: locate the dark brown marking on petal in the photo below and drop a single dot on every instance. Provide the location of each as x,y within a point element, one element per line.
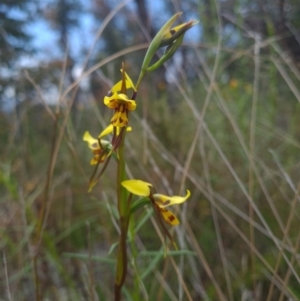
<point>171,218</point>
<point>172,31</point>
<point>97,151</point>
<point>121,120</point>
<point>167,202</point>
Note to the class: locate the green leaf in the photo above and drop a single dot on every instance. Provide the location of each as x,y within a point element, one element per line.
<point>87,257</point>
<point>139,204</point>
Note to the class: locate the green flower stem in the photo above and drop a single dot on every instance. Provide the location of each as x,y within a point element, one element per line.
<point>142,74</point>
<point>123,209</point>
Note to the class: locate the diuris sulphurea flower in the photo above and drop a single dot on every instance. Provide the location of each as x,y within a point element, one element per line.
<point>159,201</point>
<point>102,149</point>
<point>119,101</point>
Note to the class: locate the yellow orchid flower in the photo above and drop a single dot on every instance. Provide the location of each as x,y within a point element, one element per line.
<point>159,201</point>
<point>121,105</point>
<point>119,101</point>
<point>104,149</point>
<point>100,150</point>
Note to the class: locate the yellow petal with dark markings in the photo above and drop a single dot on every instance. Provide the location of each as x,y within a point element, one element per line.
<point>92,142</point>
<point>165,201</point>
<point>169,217</point>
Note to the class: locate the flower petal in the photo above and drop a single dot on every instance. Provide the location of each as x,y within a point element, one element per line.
<point>106,131</point>
<point>165,201</point>
<point>111,101</point>
<point>131,105</point>
<point>99,158</point>
<point>137,187</point>
<point>129,81</point>
<point>118,86</point>
<point>92,142</point>
<point>169,217</point>
<point>119,119</point>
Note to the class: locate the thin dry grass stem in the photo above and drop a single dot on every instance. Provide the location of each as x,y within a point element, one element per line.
<point>104,23</point>
<point>288,273</point>
<point>102,63</point>
<point>56,115</point>
<point>285,235</point>
<point>197,184</point>
<point>36,279</point>
<point>196,180</point>
<point>193,109</point>
<point>145,138</point>
<point>60,87</point>
<point>159,173</point>
<point>257,39</point>
<point>241,140</point>
<point>257,253</point>
<point>38,90</point>
<point>156,168</point>
<point>282,135</point>
<point>6,277</point>
<point>165,286</point>
<point>90,265</point>
<point>215,220</point>
<point>286,58</point>
<point>206,102</point>
<point>159,296</point>
<point>270,234</point>
<point>41,219</point>
<point>181,280</point>
<point>286,77</point>
<point>111,214</point>
<point>257,211</point>
<point>158,275</point>
<point>148,176</point>
<point>204,262</point>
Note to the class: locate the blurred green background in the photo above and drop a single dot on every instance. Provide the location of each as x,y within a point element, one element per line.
<point>220,119</point>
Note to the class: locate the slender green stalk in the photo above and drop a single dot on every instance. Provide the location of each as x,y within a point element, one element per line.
<point>124,216</point>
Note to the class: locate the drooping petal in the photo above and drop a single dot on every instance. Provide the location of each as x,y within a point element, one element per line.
<point>119,118</point>
<point>137,187</point>
<point>106,131</point>
<point>131,105</point>
<point>92,142</point>
<point>169,217</point>
<point>165,201</point>
<point>111,101</point>
<point>99,158</point>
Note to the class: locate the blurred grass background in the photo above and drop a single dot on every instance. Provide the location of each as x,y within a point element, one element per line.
<point>224,126</point>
